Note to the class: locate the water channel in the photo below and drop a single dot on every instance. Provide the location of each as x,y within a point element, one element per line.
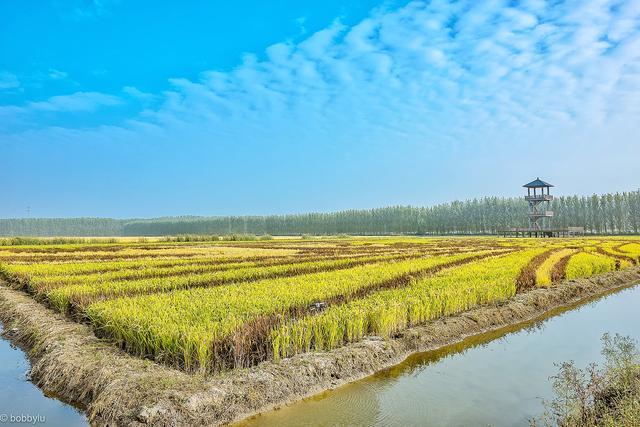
<point>498,378</point>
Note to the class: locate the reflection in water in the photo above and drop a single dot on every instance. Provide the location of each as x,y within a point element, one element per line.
<point>20,399</point>
<point>498,378</point>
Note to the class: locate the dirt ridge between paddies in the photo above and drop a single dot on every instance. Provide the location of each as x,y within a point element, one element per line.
<point>115,388</point>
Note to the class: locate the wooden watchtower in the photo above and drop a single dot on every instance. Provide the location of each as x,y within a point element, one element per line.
<point>539,214</point>
<point>539,198</point>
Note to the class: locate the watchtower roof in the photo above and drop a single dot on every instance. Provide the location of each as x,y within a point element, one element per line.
<point>537,183</point>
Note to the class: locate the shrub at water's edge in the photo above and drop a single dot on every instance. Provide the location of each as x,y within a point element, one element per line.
<point>598,396</point>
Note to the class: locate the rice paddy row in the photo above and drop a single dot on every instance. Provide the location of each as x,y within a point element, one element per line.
<point>209,306</point>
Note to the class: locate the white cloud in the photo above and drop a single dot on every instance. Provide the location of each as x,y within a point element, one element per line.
<point>138,94</point>
<point>75,102</point>
<point>432,73</point>
<point>439,63</point>
<point>57,74</point>
<point>81,10</point>
<point>8,80</point>
<point>300,22</point>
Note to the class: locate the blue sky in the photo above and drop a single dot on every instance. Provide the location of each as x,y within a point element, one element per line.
<point>141,109</point>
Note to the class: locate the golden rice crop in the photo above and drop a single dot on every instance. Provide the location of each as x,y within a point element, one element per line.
<point>150,269</point>
<point>387,311</point>
<point>32,270</point>
<point>139,253</point>
<point>631,249</point>
<point>189,327</point>
<point>215,305</point>
<point>587,264</point>
<point>62,297</point>
<point>543,274</point>
<point>88,267</point>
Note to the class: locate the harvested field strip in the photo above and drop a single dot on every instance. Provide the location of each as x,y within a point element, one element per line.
<point>121,390</point>
<point>140,254</point>
<point>622,261</point>
<point>181,252</point>
<point>433,251</point>
<point>527,278</point>
<point>152,272</point>
<point>158,245</point>
<point>544,272</point>
<point>80,296</point>
<point>102,246</point>
<point>400,281</point>
<point>23,272</point>
<point>70,250</point>
<point>252,344</point>
<point>111,247</point>
<point>83,268</point>
<point>89,267</point>
<point>64,248</point>
<point>215,306</point>
<point>96,247</point>
<point>631,249</point>
<point>191,328</point>
<point>559,269</point>
<point>617,251</point>
<point>87,256</point>
<point>587,264</point>
<point>388,311</point>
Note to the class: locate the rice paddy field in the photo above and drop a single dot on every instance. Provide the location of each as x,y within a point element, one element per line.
<point>211,306</point>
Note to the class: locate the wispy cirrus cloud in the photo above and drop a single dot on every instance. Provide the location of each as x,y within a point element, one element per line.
<point>434,72</point>
<point>26,117</point>
<point>57,74</point>
<point>8,80</point>
<point>76,102</point>
<point>423,103</point>
<point>136,93</point>
<point>441,70</point>
<point>87,9</point>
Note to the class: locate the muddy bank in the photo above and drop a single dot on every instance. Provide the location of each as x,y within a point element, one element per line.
<point>115,388</point>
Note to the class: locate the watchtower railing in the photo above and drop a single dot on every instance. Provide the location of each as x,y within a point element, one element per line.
<point>539,198</point>
<point>541,214</point>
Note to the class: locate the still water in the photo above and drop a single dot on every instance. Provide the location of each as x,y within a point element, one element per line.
<point>498,378</point>
<point>21,402</point>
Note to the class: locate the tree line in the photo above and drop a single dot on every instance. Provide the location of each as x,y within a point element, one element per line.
<point>72,227</point>
<point>612,213</point>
